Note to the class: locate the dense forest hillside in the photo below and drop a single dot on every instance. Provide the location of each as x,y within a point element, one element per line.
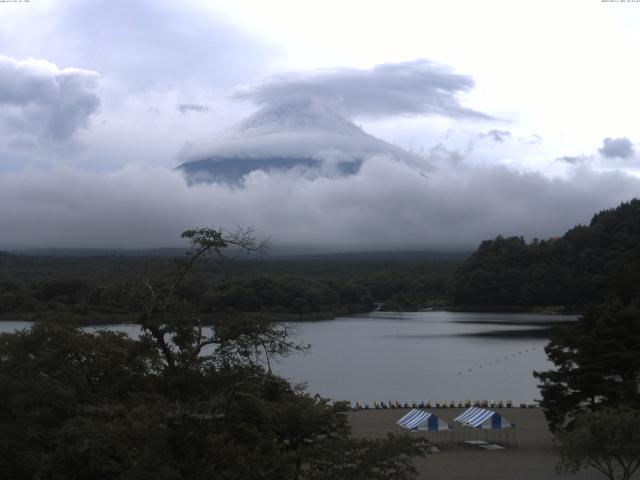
<point>588,264</point>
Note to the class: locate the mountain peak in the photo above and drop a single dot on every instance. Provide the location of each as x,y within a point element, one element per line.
<point>292,132</point>
<point>298,114</point>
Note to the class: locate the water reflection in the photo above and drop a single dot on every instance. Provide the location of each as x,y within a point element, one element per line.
<point>423,356</point>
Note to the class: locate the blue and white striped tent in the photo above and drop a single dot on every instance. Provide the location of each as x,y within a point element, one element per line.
<point>476,417</point>
<point>421,420</point>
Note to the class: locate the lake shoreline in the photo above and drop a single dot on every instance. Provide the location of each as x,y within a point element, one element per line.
<point>96,318</point>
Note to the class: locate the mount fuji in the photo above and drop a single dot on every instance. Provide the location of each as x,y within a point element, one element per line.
<point>298,134</point>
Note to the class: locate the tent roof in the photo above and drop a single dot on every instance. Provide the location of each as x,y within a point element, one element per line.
<point>477,417</point>
<point>421,420</point>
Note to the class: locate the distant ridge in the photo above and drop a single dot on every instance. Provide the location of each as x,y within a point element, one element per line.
<point>231,170</point>
<point>276,254</point>
<point>98,252</point>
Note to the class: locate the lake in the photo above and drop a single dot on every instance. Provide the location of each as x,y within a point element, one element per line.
<point>435,356</point>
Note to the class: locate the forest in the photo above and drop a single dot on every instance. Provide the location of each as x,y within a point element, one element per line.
<point>287,288</point>
<point>588,264</point>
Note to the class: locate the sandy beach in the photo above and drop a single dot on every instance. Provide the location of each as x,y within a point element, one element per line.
<point>533,457</point>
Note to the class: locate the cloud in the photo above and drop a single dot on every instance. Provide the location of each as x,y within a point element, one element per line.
<point>309,114</point>
<point>193,107</point>
<point>534,139</point>
<point>387,204</point>
<point>572,160</point>
<point>41,103</point>
<point>148,44</point>
<point>497,135</point>
<point>298,128</point>
<point>617,148</point>
<point>418,87</point>
<point>152,56</point>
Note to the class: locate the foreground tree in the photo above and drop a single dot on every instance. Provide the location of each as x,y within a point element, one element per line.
<point>592,398</point>
<point>181,402</point>
<point>597,363</point>
<point>607,440</point>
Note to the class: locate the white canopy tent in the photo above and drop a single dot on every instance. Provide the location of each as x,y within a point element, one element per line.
<point>436,429</point>
<point>421,420</point>
<point>488,421</point>
<point>476,417</point>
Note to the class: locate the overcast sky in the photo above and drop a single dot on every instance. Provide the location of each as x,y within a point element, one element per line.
<point>512,118</point>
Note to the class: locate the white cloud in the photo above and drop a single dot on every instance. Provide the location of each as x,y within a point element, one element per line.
<point>143,44</point>
<point>41,103</point>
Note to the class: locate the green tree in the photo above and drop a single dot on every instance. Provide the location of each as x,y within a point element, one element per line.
<point>597,364</point>
<point>180,402</point>
<point>389,458</point>
<point>57,385</point>
<point>607,440</point>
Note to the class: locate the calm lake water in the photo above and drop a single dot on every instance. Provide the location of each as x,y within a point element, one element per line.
<point>435,356</point>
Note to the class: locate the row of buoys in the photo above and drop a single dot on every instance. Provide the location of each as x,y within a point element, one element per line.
<point>508,357</point>
<point>466,404</point>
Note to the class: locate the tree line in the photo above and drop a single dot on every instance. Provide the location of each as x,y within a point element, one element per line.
<point>307,288</point>
<point>588,264</point>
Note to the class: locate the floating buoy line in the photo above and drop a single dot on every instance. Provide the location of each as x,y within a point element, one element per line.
<point>500,360</point>
<point>392,404</point>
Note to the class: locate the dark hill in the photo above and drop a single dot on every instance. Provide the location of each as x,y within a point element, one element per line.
<point>231,170</point>
<point>588,264</point>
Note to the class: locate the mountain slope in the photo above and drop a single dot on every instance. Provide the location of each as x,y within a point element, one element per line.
<point>297,133</point>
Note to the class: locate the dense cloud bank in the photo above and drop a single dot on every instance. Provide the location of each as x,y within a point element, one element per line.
<point>386,205</point>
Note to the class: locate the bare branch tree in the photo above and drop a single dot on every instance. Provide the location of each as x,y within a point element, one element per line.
<point>180,341</point>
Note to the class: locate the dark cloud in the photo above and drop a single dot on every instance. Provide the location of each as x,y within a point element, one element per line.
<point>572,160</point>
<point>418,87</point>
<point>41,103</point>
<point>617,148</point>
<point>387,204</point>
<point>535,139</point>
<point>193,107</point>
<point>497,135</point>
